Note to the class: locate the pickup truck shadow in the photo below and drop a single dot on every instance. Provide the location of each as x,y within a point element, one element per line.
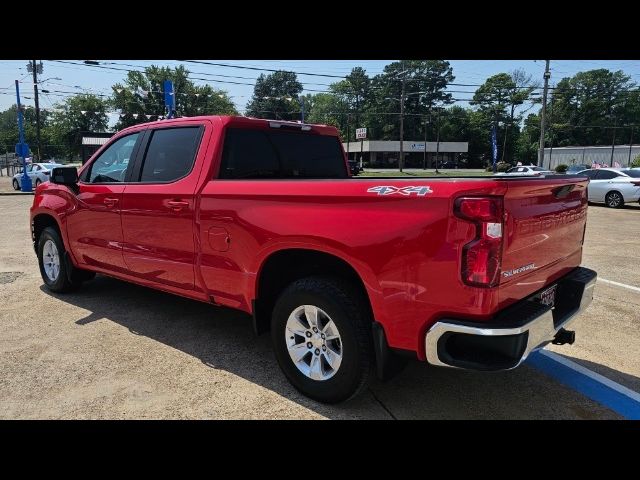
<point>223,339</point>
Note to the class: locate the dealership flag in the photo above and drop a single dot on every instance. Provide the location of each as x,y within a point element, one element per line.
<point>494,145</point>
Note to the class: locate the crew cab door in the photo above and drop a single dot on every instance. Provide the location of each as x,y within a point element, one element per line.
<point>158,206</point>
<point>93,227</point>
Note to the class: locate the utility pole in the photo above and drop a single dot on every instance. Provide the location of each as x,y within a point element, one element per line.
<point>401,159</point>
<point>547,75</point>
<point>35,70</point>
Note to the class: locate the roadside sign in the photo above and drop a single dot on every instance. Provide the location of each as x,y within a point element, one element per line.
<point>361,133</point>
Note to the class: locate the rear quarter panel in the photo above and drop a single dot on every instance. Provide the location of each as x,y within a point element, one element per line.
<point>405,248</point>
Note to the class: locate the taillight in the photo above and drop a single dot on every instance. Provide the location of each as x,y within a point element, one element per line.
<point>637,184</point>
<point>482,257</point>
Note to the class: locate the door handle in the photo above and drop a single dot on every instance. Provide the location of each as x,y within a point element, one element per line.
<point>110,202</point>
<point>177,205</point>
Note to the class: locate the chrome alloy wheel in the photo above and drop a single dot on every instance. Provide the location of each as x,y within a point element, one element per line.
<point>614,199</point>
<point>313,342</point>
<point>51,260</point>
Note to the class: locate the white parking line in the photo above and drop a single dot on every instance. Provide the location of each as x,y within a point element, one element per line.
<point>618,284</point>
<point>591,374</point>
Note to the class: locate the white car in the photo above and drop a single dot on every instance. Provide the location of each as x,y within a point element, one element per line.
<point>38,173</point>
<point>613,186</point>
<point>526,170</point>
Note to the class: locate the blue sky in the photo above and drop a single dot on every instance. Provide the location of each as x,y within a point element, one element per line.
<point>99,80</point>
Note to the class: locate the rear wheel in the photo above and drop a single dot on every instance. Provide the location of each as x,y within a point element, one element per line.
<point>614,200</point>
<point>16,185</point>
<point>321,333</point>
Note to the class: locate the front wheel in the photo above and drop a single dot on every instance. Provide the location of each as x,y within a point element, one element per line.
<point>321,334</point>
<point>614,200</point>
<point>53,268</point>
<point>16,185</point>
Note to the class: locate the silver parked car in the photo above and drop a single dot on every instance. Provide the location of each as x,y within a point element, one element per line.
<point>613,186</point>
<point>526,170</point>
<point>38,173</point>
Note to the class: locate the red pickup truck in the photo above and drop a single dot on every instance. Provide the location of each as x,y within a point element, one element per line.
<point>350,275</point>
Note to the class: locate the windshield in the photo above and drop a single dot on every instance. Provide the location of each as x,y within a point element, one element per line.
<point>49,166</point>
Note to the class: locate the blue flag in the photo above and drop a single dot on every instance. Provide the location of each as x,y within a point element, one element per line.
<point>494,147</point>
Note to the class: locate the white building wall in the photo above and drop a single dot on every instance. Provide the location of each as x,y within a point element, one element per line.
<point>408,146</point>
<point>589,155</point>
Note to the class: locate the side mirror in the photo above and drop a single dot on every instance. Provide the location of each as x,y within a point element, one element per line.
<point>65,176</point>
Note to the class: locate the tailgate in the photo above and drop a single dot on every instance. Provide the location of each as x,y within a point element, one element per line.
<point>544,230</point>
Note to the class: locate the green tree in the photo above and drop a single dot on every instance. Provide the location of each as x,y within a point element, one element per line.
<point>75,115</point>
<point>497,101</point>
<point>141,97</point>
<point>583,106</point>
<point>9,130</point>
<point>354,96</point>
<point>526,149</point>
<point>327,109</point>
<point>425,91</point>
<point>276,96</point>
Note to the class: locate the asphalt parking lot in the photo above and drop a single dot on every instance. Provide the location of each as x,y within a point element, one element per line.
<point>115,350</point>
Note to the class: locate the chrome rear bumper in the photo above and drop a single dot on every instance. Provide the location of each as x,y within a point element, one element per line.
<point>505,342</point>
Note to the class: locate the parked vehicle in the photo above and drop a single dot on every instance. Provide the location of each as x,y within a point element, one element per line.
<point>37,172</point>
<point>354,167</point>
<point>574,169</point>
<point>526,170</point>
<point>350,275</point>
<point>447,165</point>
<point>613,186</point>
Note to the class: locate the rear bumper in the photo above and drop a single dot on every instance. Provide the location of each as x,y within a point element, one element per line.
<point>505,342</point>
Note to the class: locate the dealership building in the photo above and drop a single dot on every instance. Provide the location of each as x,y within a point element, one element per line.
<point>622,154</point>
<point>385,154</point>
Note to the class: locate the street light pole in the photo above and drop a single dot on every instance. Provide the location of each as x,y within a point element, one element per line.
<point>437,140</point>
<point>424,159</point>
<point>25,182</point>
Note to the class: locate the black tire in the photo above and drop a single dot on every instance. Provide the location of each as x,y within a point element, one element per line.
<point>614,200</point>
<point>348,309</point>
<point>61,284</point>
<point>16,185</point>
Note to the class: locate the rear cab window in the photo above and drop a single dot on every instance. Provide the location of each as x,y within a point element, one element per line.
<point>275,153</point>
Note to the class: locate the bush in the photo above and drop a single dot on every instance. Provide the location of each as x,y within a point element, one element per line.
<point>562,168</point>
<point>636,162</point>
<point>503,166</point>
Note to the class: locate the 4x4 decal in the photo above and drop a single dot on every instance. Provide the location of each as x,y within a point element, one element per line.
<point>388,190</point>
